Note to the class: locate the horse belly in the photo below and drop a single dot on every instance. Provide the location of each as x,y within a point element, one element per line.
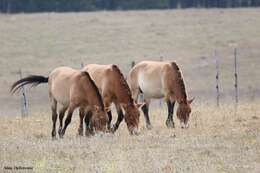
<point>150,88</point>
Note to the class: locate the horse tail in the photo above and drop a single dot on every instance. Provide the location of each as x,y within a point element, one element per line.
<point>34,80</point>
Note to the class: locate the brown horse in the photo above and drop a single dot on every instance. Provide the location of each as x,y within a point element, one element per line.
<point>114,89</point>
<point>160,80</point>
<point>71,89</point>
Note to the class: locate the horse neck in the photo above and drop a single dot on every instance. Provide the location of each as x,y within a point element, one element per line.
<point>121,89</point>
<point>94,98</point>
<point>179,87</point>
<point>122,93</point>
<point>180,96</point>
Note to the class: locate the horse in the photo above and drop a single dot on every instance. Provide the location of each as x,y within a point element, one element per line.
<point>114,89</point>
<point>157,80</point>
<point>71,89</point>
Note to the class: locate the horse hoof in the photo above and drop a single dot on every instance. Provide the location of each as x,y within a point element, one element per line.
<point>88,133</point>
<point>80,132</point>
<point>61,136</point>
<point>53,134</point>
<point>169,124</point>
<point>114,129</point>
<point>61,133</point>
<point>134,132</point>
<point>110,131</point>
<point>149,126</point>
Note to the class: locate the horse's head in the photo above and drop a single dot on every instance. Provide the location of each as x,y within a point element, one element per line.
<point>132,115</point>
<point>183,113</point>
<point>99,120</point>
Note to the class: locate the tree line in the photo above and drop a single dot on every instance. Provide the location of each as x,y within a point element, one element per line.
<point>30,6</point>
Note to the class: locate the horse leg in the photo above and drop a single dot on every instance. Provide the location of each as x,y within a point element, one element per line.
<point>107,104</point>
<point>169,122</point>
<point>145,110</point>
<point>135,94</point>
<point>88,130</point>
<point>61,115</point>
<point>109,113</point>
<point>54,117</point>
<point>81,117</point>
<point>120,117</point>
<point>68,120</point>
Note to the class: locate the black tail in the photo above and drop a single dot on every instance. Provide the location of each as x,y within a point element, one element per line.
<point>34,80</point>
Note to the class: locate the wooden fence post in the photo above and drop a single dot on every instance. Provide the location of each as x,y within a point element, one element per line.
<point>23,99</point>
<point>161,58</point>
<point>160,102</point>
<point>133,64</point>
<point>236,76</point>
<point>217,77</point>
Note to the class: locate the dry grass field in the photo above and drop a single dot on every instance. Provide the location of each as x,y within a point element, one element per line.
<point>218,140</point>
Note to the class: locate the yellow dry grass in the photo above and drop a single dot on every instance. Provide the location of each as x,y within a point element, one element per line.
<point>218,140</point>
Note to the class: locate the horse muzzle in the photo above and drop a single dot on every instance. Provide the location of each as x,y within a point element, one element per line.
<point>134,131</point>
<point>184,126</point>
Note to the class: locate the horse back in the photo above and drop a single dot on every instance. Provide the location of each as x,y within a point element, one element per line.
<point>101,74</point>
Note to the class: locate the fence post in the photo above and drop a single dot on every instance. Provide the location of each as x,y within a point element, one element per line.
<point>133,64</point>
<point>236,76</point>
<point>161,58</point>
<point>23,99</point>
<point>160,102</point>
<point>217,77</point>
<point>82,65</point>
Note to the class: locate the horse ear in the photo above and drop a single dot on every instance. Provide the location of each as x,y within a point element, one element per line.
<point>123,104</point>
<point>191,100</point>
<point>107,109</point>
<point>139,105</point>
<point>96,108</point>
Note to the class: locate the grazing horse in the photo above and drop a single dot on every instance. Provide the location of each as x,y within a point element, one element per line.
<point>160,80</point>
<point>71,89</point>
<point>114,89</point>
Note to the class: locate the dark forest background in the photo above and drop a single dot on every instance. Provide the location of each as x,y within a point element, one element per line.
<point>29,6</point>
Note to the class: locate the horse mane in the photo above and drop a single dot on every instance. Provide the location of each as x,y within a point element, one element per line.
<point>179,80</point>
<point>123,82</point>
<point>86,74</point>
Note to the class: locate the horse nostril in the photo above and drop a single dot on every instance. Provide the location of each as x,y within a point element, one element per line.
<point>182,125</point>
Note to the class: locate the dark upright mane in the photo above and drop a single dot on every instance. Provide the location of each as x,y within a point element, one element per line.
<point>179,80</point>
<point>123,81</point>
<point>86,74</point>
